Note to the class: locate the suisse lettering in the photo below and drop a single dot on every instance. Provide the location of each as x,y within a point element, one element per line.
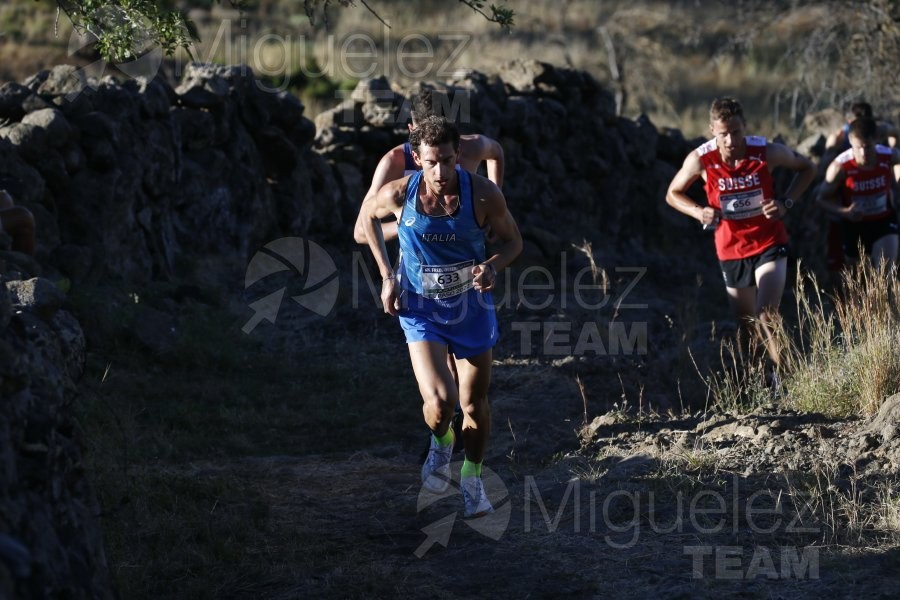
<point>865,185</point>
<point>727,184</point>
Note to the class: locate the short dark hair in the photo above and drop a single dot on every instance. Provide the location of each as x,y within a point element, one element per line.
<point>863,128</point>
<point>861,109</point>
<point>422,104</point>
<point>723,109</point>
<point>434,131</point>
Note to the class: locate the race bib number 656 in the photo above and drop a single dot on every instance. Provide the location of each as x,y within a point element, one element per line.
<point>743,205</point>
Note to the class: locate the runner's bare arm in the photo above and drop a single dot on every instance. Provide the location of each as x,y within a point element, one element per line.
<point>491,209</point>
<point>390,168</point>
<point>895,164</point>
<point>779,155</point>
<point>492,154</point>
<point>889,131</point>
<point>827,197</point>
<point>676,195</point>
<point>388,201</point>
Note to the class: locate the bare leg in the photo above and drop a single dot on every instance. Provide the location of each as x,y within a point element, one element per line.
<point>474,379</point>
<point>436,385</point>
<point>754,307</point>
<point>451,364</point>
<point>770,279</point>
<point>743,306</point>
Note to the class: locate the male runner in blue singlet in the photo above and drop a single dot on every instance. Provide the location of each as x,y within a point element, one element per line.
<point>441,293</point>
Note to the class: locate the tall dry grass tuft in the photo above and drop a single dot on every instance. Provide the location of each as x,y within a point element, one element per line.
<point>742,382</point>
<point>844,359</point>
<point>851,509</point>
<point>840,355</point>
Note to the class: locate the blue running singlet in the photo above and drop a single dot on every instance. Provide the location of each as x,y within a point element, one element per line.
<point>409,163</point>
<point>437,254</point>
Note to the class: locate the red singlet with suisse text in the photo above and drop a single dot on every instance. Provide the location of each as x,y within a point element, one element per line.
<point>738,193</point>
<point>870,188</point>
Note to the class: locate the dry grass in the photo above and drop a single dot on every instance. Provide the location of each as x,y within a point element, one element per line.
<point>741,384</point>
<point>849,510</point>
<point>846,360</point>
<point>840,355</point>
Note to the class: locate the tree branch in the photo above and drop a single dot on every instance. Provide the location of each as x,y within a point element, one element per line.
<point>124,28</point>
<point>375,14</point>
<point>501,16</point>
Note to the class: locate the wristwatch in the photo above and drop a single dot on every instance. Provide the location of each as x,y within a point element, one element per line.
<point>788,203</point>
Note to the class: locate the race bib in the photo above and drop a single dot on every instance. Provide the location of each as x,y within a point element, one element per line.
<point>873,204</point>
<point>445,281</point>
<point>742,205</point>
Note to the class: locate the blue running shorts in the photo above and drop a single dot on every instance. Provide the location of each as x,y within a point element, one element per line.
<point>466,323</point>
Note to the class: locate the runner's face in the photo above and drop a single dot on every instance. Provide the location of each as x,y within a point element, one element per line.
<point>863,151</point>
<point>438,167</point>
<point>729,134</point>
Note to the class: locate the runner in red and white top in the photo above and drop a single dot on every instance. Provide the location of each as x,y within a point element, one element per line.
<point>738,191</point>
<point>858,188</point>
<point>751,241</point>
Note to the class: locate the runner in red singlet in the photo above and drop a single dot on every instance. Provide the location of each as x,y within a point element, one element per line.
<point>858,189</point>
<point>751,240</point>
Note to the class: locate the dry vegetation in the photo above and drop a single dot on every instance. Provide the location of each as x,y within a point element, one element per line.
<point>840,350</point>
<point>232,467</point>
<point>784,59</point>
<point>845,361</point>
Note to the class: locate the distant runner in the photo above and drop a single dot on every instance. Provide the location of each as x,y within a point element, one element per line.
<point>837,142</point>
<point>858,187</point>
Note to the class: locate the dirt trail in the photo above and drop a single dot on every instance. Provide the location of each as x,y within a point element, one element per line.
<point>692,505</point>
<point>619,519</point>
<point>699,506</point>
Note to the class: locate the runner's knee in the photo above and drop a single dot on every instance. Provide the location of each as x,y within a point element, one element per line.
<point>475,406</point>
<point>439,400</point>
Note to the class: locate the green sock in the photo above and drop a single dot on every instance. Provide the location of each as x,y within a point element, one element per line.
<point>470,469</point>
<point>446,439</point>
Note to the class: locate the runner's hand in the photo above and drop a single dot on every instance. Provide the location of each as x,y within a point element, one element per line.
<point>483,277</point>
<point>773,210</point>
<point>709,216</point>
<point>389,297</point>
<point>853,213</point>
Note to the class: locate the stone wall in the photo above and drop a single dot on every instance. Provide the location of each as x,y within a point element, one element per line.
<point>124,178</point>
<point>50,541</point>
<point>573,166</point>
<point>128,179</point>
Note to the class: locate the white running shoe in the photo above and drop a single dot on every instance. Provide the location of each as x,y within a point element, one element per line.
<point>474,498</point>
<point>436,469</point>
